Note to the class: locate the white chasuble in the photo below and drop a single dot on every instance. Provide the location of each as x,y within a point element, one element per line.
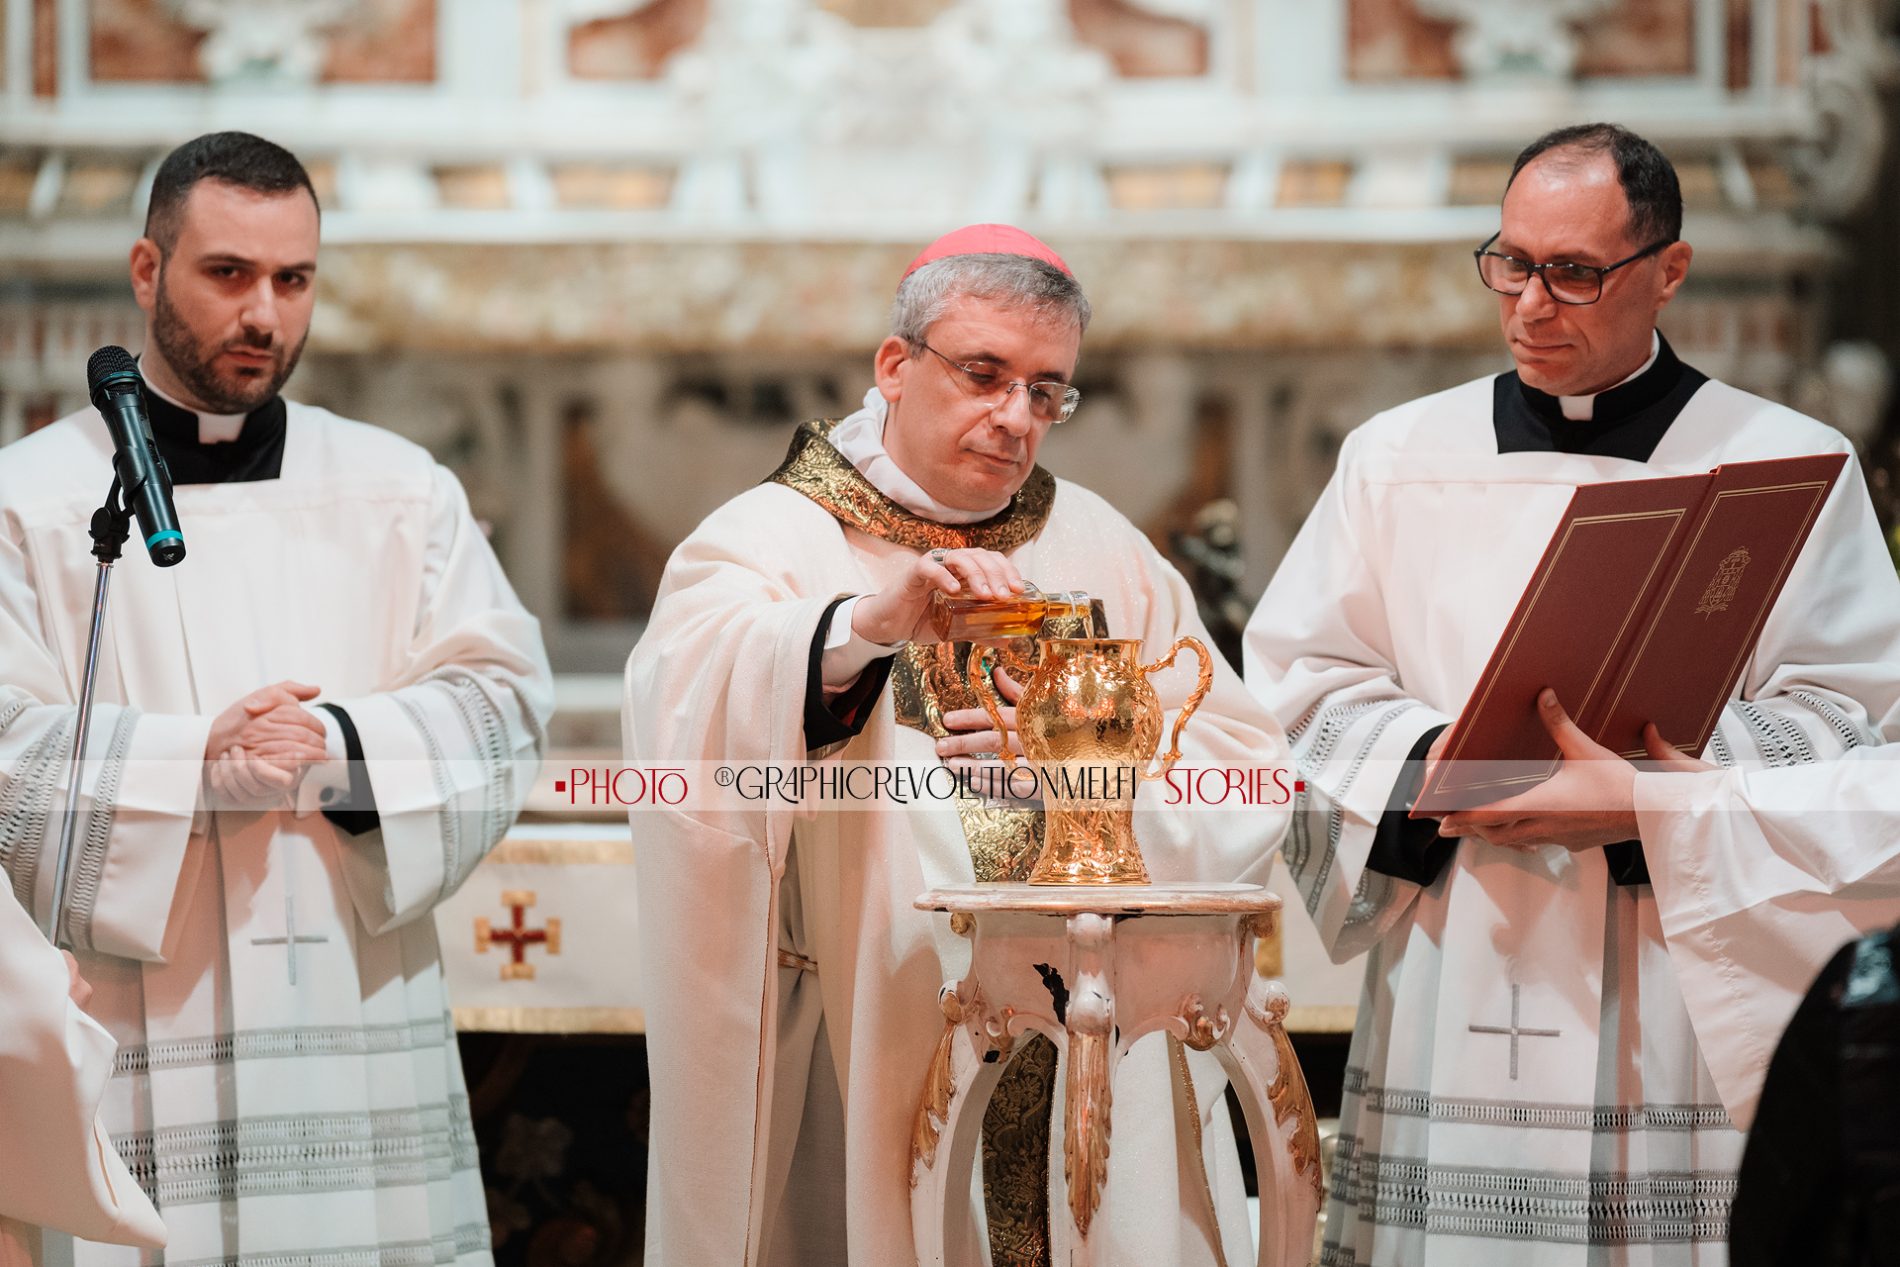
<point>1528,1082</point>
<point>792,1012</point>
<point>57,1169</point>
<point>287,1087</point>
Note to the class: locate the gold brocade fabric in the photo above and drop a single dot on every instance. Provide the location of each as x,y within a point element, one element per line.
<point>820,472</point>
<point>926,683</point>
<point>1016,1156</point>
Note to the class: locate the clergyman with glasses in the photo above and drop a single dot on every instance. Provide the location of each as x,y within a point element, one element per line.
<point>1545,1067</point>
<point>793,1012</point>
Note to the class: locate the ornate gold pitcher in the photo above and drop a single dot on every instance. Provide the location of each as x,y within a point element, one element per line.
<point>1087,710</point>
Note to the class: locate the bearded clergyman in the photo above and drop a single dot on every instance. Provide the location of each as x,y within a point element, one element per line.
<point>306,735</point>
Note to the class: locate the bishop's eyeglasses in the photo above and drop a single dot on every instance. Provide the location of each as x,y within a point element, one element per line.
<point>1050,401</point>
<point>1566,283</point>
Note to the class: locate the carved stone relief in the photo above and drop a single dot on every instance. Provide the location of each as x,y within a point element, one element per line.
<point>616,39</point>
<point>1150,39</point>
<point>1515,39</point>
<point>1547,41</point>
<point>263,43</point>
<point>809,117</point>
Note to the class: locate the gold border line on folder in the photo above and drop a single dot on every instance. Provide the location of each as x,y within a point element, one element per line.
<point>1675,586</point>
<point>1536,597</point>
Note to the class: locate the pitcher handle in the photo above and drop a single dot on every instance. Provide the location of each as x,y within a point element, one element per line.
<point>1199,693</point>
<point>979,672</point>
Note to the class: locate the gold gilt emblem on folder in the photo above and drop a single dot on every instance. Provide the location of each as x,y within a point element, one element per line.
<point>1722,586</point>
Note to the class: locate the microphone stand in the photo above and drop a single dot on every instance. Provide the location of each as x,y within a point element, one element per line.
<point>111,525</point>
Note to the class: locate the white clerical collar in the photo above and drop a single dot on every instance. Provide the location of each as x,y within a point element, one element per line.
<point>212,428</point>
<point>860,439</point>
<point>1584,408</point>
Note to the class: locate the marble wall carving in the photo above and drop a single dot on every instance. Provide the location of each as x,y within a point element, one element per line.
<point>278,41</point>
<point>253,45</point>
<point>1414,40</point>
<point>618,40</point>
<point>754,298</point>
<point>812,117</point>
<point>1516,39</point>
<point>1157,39</point>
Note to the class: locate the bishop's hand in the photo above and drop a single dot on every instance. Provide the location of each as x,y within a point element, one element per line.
<point>1588,803</point>
<point>898,613</point>
<point>260,747</point>
<point>973,742</point>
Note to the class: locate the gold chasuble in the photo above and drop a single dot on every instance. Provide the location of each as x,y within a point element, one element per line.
<point>792,1008</point>
<point>928,681</point>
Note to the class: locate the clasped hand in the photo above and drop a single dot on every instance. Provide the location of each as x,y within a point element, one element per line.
<point>1588,803</point>
<point>260,747</point>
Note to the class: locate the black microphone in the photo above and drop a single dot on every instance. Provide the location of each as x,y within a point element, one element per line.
<point>112,376</point>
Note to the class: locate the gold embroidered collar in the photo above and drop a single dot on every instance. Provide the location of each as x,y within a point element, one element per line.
<point>820,472</point>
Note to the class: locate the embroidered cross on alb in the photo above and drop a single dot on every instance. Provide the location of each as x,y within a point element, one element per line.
<point>1516,1031</point>
<point>290,940</point>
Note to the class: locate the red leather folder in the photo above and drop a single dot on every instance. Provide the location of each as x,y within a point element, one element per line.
<point>1645,607</point>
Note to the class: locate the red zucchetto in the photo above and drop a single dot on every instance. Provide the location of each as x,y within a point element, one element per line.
<point>987,239</point>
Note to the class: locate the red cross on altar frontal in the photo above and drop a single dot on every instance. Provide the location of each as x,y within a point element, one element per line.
<point>518,936</point>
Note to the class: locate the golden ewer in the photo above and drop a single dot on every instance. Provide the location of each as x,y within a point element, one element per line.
<point>1086,708</point>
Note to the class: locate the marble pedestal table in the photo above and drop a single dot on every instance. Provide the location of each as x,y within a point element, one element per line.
<point>1129,960</point>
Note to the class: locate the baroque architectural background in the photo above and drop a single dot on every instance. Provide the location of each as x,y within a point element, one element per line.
<point>601,254</point>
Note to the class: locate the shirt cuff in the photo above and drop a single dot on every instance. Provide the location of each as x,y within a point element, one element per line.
<point>846,654</point>
<point>329,780</point>
<point>834,715</point>
<point>1404,847</point>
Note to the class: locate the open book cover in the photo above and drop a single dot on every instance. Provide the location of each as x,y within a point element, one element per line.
<point>1645,607</point>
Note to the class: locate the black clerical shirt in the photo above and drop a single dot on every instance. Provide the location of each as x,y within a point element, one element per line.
<point>829,721</point>
<point>1627,421</point>
<point>257,452</point>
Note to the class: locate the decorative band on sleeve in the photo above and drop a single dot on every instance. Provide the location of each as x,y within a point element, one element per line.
<point>26,802</point>
<point>89,864</point>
